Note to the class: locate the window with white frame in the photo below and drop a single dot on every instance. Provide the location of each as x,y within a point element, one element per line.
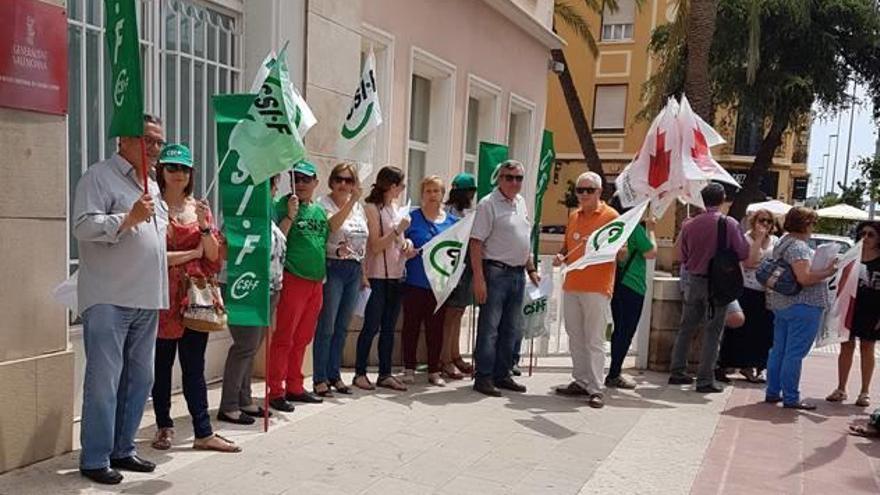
<point>609,108</point>
<point>481,120</point>
<point>431,103</point>
<point>382,44</point>
<point>189,51</point>
<point>618,25</point>
<point>519,130</point>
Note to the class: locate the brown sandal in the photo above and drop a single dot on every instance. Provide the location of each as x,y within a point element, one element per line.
<point>391,382</point>
<point>322,389</point>
<point>216,443</point>
<point>463,366</point>
<point>163,438</point>
<point>363,383</point>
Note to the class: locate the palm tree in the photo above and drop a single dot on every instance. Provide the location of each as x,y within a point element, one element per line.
<point>571,17</point>
<point>700,15</point>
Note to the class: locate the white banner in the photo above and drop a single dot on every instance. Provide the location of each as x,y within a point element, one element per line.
<point>356,138</point>
<point>604,243</point>
<point>444,258</point>
<point>842,288</point>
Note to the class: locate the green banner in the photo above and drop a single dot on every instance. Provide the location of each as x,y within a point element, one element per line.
<point>123,50</point>
<point>246,223</point>
<point>545,167</point>
<point>491,155</point>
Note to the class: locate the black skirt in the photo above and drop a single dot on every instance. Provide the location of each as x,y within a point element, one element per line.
<point>748,346</point>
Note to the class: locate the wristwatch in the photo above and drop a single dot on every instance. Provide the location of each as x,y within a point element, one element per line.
<point>205,231</point>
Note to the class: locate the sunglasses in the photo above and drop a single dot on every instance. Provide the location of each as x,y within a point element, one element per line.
<point>302,178</point>
<point>344,180</point>
<point>585,190</point>
<point>867,233</point>
<point>513,178</point>
<point>176,167</point>
<point>766,221</point>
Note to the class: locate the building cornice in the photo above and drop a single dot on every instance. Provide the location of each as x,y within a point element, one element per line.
<point>525,21</point>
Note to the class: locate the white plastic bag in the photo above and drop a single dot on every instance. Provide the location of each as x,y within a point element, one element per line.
<point>65,293</point>
<point>535,307</point>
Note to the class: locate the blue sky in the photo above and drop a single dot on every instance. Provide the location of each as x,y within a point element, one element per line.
<point>864,136</point>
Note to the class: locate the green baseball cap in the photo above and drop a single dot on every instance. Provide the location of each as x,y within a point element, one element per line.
<point>176,153</point>
<point>305,168</point>
<point>464,180</point>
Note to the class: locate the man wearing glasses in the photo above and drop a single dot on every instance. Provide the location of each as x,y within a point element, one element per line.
<point>586,293</point>
<point>122,285</point>
<point>500,258</point>
<point>305,224</point>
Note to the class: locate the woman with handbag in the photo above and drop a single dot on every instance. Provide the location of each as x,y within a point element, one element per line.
<point>797,313</point>
<point>747,346</point>
<point>866,319</point>
<point>194,259</point>
<point>386,253</point>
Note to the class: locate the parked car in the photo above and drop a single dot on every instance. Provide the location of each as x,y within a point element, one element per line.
<point>819,239</point>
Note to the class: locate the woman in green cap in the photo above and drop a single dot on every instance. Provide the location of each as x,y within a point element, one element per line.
<point>193,251</point>
<point>459,204</point>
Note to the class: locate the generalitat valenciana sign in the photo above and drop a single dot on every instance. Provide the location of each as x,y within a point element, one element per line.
<point>33,56</point>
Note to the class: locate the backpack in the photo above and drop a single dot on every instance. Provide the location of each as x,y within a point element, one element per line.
<point>725,275</point>
<point>777,275</point>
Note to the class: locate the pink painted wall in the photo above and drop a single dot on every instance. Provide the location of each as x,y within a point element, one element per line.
<point>475,38</point>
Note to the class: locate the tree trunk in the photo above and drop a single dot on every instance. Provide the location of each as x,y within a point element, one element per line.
<point>751,190</point>
<point>579,119</point>
<point>700,31</point>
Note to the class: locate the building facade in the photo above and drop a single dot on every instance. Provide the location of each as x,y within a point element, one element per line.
<point>450,73</point>
<point>610,88</point>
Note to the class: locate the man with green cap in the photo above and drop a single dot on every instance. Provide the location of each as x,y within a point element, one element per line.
<point>304,222</point>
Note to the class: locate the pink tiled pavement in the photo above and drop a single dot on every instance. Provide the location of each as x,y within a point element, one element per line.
<point>762,448</point>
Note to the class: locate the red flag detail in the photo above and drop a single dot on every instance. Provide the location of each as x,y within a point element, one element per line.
<point>700,151</point>
<point>658,171</point>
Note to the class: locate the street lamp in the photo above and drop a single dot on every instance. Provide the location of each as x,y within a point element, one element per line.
<point>836,138</point>
<point>825,158</point>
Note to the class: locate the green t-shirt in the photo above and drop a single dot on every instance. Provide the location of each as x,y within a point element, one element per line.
<point>637,245</point>
<point>306,240</point>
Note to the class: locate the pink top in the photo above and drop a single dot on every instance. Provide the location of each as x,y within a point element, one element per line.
<point>389,263</point>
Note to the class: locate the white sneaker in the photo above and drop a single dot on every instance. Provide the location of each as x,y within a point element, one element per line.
<point>436,380</point>
<point>409,376</point>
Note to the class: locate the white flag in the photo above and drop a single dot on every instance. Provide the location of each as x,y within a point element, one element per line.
<point>303,118</point>
<point>842,287</point>
<point>356,138</point>
<point>445,256</point>
<point>604,243</point>
<point>656,169</point>
<point>696,138</point>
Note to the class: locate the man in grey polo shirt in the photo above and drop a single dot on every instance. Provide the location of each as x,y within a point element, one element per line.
<point>500,258</point>
<point>122,283</point>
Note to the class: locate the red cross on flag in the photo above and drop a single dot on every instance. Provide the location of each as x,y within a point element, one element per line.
<point>697,137</point>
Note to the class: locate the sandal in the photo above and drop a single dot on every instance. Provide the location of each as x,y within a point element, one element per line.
<point>863,400</point>
<point>436,380</point>
<point>341,387</point>
<point>451,372</point>
<point>363,383</point>
<point>463,366</point>
<point>802,406</point>
<point>163,438</point>
<point>322,389</point>
<point>836,396</point>
<point>392,383</point>
<point>216,443</point>
<point>864,431</point>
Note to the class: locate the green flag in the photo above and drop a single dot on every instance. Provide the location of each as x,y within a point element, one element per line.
<point>246,223</point>
<point>123,48</point>
<point>491,155</point>
<point>266,139</point>
<point>545,166</point>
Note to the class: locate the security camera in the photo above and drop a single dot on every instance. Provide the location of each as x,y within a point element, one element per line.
<point>556,67</point>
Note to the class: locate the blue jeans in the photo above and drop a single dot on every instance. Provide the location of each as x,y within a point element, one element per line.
<point>794,330</point>
<point>382,311</point>
<point>191,349</point>
<point>626,310</point>
<point>340,296</point>
<point>501,322</point>
<point>119,346</point>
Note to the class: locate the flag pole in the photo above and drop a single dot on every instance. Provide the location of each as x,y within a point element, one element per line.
<point>266,381</point>
<point>144,164</point>
<point>217,174</point>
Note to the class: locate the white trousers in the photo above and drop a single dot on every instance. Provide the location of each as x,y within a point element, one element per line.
<point>586,319</point>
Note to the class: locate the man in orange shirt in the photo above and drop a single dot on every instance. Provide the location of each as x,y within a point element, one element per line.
<point>586,293</point>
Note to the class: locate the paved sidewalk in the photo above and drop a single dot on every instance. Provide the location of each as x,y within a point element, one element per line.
<point>657,439</point>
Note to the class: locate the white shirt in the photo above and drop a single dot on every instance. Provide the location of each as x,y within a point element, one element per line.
<point>353,233</point>
<point>503,226</point>
<point>749,279</point>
